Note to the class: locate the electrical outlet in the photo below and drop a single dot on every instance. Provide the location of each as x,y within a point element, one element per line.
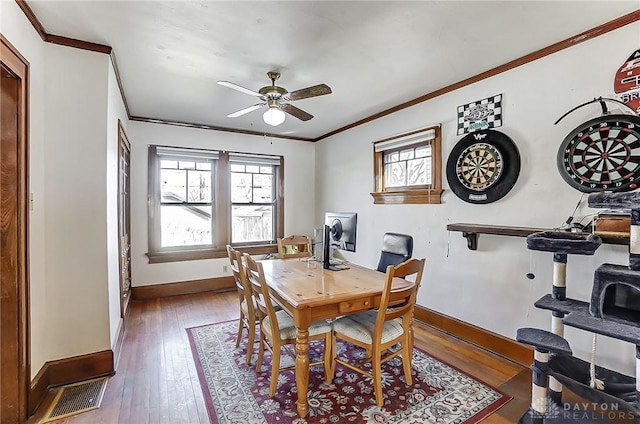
<point>225,268</point>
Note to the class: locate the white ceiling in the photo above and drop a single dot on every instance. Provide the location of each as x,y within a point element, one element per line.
<point>373,54</point>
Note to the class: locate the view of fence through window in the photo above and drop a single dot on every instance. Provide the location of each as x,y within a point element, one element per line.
<point>408,167</point>
<point>186,210</point>
<point>187,202</point>
<point>252,203</point>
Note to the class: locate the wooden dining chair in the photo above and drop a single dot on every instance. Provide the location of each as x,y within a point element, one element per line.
<point>277,329</point>
<point>294,247</point>
<point>248,315</point>
<point>377,331</point>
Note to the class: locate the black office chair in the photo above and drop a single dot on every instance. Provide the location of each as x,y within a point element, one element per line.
<point>396,248</point>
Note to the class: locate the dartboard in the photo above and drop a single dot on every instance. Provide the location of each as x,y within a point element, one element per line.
<point>483,166</point>
<point>602,154</point>
<point>479,166</point>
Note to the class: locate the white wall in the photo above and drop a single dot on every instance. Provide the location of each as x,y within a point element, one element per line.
<point>75,194</point>
<point>488,287</point>
<point>299,173</point>
<point>19,32</point>
<point>116,112</point>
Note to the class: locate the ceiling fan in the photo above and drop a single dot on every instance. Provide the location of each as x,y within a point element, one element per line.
<point>278,99</point>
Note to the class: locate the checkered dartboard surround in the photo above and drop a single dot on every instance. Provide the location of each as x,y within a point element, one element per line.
<point>480,115</point>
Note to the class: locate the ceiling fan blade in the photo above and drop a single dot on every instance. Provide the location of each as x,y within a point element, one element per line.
<point>245,110</point>
<point>294,111</point>
<point>316,90</point>
<point>239,88</point>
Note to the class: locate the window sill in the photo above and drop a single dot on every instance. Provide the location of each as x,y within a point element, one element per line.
<point>408,197</point>
<point>195,255</point>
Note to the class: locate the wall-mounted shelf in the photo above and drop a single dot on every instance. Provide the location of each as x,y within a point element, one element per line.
<point>472,231</point>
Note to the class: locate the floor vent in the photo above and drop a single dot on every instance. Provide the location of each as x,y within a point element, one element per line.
<point>76,398</point>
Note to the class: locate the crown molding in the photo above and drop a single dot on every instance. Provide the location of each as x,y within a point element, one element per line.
<point>57,39</point>
<point>32,18</point>
<point>539,54</point>
<point>554,48</point>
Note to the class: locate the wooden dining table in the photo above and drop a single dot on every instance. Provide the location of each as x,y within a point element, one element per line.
<point>310,293</point>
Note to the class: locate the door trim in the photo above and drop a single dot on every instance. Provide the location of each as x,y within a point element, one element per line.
<point>124,209</point>
<point>16,64</point>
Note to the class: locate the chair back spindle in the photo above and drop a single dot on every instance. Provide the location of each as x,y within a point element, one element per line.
<point>248,313</point>
<point>260,291</point>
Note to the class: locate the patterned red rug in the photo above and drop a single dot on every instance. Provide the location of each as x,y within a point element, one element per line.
<point>235,393</point>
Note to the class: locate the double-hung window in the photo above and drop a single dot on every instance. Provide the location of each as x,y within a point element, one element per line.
<point>202,200</point>
<point>407,168</point>
<point>184,195</point>
<point>253,195</point>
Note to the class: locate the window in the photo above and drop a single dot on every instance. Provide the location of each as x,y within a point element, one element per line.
<point>408,168</point>
<point>252,199</point>
<point>202,200</point>
<point>186,202</point>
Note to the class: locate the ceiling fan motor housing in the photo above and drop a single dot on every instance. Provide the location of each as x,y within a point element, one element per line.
<point>272,92</point>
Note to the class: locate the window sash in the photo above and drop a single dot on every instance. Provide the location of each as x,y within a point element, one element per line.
<point>271,239</point>
<point>157,154</point>
<point>186,187</point>
<point>252,202</point>
<point>392,159</point>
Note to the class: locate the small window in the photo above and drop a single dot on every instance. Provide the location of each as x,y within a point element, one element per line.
<point>408,168</point>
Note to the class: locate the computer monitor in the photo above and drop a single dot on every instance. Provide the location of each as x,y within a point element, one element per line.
<point>326,247</point>
<point>342,227</point>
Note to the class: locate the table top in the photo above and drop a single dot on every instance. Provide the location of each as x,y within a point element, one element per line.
<point>305,284</point>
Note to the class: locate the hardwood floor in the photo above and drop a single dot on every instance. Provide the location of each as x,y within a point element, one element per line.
<point>156,380</point>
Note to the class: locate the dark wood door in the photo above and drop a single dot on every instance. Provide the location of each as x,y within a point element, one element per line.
<point>124,216</point>
<point>14,351</point>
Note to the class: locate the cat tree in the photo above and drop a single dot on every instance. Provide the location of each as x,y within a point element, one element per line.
<point>613,310</point>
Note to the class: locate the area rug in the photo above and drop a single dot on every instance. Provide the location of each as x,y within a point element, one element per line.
<point>235,393</point>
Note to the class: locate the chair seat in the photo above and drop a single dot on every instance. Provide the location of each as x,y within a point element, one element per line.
<point>360,327</point>
<point>288,329</point>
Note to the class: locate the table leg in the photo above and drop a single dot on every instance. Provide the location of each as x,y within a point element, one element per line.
<point>302,370</point>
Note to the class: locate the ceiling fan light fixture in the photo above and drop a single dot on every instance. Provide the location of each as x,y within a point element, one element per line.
<point>273,116</point>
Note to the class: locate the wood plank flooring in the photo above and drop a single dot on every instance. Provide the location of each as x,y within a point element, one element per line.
<point>156,379</point>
